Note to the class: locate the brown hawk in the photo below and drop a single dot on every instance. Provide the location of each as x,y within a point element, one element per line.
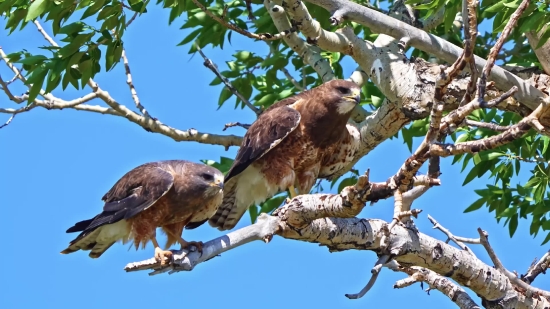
<point>289,146</point>
<point>172,195</point>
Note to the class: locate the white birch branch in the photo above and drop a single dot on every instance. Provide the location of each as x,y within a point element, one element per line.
<point>263,229</point>
<point>380,23</point>
<point>328,220</point>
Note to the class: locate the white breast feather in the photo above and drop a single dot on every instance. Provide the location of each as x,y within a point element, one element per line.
<point>253,187</point>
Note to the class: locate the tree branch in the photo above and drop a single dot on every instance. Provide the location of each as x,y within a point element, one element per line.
<point>327,219</point>
<point>537,268</point>
<point>449,235</point>
<point>529,290</point>
<point>132,87</point>
<point>440,283</point>
<point>311,54</point>
<point>214,68</point>
<point>231,26</point>
<point>117,109</point>
<point>380,23</point>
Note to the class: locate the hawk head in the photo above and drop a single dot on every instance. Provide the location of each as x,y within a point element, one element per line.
<point>343,95</point>
<point>205,179</point>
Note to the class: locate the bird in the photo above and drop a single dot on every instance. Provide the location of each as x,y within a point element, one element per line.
<point>171,194</point>
<point>287,148</point>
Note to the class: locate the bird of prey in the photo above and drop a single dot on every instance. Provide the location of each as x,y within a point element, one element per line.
<point>173,195</point>
<point>287,147</point>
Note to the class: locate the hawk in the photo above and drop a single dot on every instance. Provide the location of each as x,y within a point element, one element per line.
<point>289,146</point>
<point>172,195</point>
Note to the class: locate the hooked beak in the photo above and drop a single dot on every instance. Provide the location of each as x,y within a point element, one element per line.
<point>218,184</point>
<point>355,96</point>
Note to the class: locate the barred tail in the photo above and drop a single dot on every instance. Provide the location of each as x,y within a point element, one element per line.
<point>230,211</point>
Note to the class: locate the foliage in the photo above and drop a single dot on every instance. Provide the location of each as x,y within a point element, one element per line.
<point>92,34</point>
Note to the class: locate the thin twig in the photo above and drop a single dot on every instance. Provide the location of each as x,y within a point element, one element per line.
<point>297,85</point>
<point>6,89</point>
<point>487,125</point>
<point>235,124</point>
<point>530,291</point>
<point>132,87</point>
<point>375,272</point>
<point>420,274</point>
<point>117,109</point>
<point>44,33</point>
<point>537,268</point>
<point>214,68</point>
<point>131,20</point>
<point>450,235</point>
<point>8,122</point>
<point>481,88</point>
<point>231,26</point>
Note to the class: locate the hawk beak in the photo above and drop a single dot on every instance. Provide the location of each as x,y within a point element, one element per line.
<point>218,184</point>
<point>355,96</point>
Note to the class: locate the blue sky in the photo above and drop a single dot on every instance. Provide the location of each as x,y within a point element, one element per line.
<point>56,166</point>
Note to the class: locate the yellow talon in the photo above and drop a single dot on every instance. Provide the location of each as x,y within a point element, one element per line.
<point>292,192</point>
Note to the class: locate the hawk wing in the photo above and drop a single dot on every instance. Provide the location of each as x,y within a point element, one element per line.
<point>271,127</point>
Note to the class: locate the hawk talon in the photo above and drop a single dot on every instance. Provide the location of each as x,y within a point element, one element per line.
<point>188,244</point>
<point>161,254</point>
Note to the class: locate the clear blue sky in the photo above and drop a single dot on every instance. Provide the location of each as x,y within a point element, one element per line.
<point>56,166</point>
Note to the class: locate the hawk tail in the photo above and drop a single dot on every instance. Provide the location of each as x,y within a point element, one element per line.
<point>230,211</point>
<point>98,239</point>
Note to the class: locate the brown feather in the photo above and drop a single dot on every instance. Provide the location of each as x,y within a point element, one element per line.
<point>293,160</point>
<point>167,194</point>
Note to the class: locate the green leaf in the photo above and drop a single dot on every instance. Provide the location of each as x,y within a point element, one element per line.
<point>107,11</point>
<point>190,37</point>
<point>113,54</point>
<point>37,78</point>
<point>138,6</point>
<point>350,181</point>
<point>253,211</point>
<point>490,155</point>
<point>532,182</point>
<point>224,96</point>
<point>71,28</point>
<point>471,175</point>
<point>531,22</point>
<point>546,239</point>
<point>32,60</point>
<point>513,224</point>
<point>543,38</point>
<point>36,8</point>
<point>271,204</point>
<point>94,8</point>
<point>475,205</point>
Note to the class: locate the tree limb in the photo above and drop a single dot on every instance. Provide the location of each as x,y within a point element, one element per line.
<point>380,23</point>
<point>438,282</point>
<point>537,268</point>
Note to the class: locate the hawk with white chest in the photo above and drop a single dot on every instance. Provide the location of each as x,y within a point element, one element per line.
<point>172,195</point>
<point>289,146</point>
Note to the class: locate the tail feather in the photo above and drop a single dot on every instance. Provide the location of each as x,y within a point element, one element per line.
<point>99,239</point>
<point>229,212</point>
<point>99,249</point>
<point>80,226</point>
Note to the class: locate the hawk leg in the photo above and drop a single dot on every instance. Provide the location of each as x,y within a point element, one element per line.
<point>159,253</point>
<point>292,193</point>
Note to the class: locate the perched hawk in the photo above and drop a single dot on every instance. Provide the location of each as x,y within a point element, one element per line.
<point>169,194</point>
<point>288,147</point>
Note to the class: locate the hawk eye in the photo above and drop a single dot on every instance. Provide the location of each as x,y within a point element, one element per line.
<point>342,90</point>
<point>207,177</point>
